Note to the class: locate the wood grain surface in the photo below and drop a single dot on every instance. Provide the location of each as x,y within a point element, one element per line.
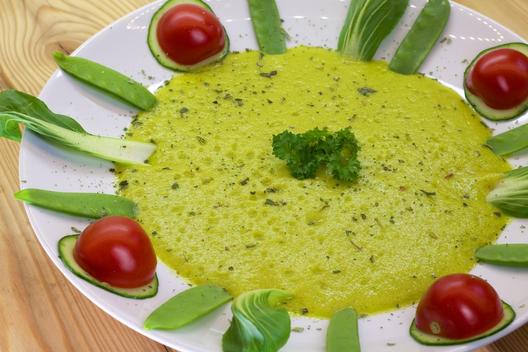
<point>39,309</point>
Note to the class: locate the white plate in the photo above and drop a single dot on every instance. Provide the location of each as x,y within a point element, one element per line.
<point>122,46</point>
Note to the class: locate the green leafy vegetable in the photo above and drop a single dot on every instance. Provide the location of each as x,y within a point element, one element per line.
<point>422,37</point>
<point>186,307</point>
<point>305,153</point>
<point>106,79</point>
<point>368,22</point>
<point>515,254</point>
<point>13,100</point>
<point>90,205</point>
<point>511,194</point>
<point>113,149</point>
<point>258,324</point>
<point>268,28</point>
<point>509,142</point>
<point>342,334</point>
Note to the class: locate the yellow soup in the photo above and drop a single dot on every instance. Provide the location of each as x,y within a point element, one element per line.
<point>222,209</point>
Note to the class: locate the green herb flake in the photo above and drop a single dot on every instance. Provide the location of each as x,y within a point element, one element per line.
<point>269,74</point>
<point>244,181</point>
<point>123,185</point>
<point>428,194</point>
<point>366,91</point>
<point>201,140</point>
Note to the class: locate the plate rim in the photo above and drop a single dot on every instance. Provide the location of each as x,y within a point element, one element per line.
<point>77,283</point>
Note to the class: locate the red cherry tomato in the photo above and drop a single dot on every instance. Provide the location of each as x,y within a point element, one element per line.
<point>189,34</point>
<point>116,250</point>
<point>459,306</point>
<point>500,78</point>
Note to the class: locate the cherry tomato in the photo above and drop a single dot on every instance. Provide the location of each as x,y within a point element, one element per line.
<point>116,250</point>
<point>459,306</point>
<point>500,78</point>
<point>189,34</point>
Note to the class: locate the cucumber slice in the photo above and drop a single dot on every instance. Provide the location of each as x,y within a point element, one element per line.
<point>66,246</point>
<point>158,53</point>
<point>432,340</point>
<point>478,104</point>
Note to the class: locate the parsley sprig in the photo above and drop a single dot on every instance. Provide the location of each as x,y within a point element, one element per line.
<point>305,153</point>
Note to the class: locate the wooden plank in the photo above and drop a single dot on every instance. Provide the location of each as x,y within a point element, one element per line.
<point>39,309</point>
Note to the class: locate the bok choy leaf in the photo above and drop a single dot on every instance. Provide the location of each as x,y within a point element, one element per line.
<point>112,149</point>
<point>368,22</point>
<point>258,324</point>
<point>510,196</point>
<point>13,100</point>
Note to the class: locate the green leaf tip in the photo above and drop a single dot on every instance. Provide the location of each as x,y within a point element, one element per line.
<point>58,55</point>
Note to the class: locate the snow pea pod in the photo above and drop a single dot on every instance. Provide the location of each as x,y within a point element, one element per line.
<point>515,254</point>
<point>90,205</point>
<point>186,307</point>
<point>268,28</point>
<point>342,334</point>
<point>422,37</point>
<point>107,80</point>
<point>509,142</point>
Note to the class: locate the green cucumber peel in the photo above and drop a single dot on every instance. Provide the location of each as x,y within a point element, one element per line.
<point>187,307</point>
<point>259,324</point>
<point>343,332</point>
<point>510,142</point>
<point>367,24</point>
<point>267,24</point>
<point>510,195</point>
<point>478,103</point>
<point>107,80</point>
<point>422,37</point>
<point>66,247</point>
<point>90,205</point>
<point>107,148</point>
<point>514,254</point>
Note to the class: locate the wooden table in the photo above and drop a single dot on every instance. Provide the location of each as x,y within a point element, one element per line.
<point>39,309</point>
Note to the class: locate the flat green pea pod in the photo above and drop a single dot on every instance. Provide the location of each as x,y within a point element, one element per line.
<point>515,254</point>
<point>268,27</point>
<point>342,334</point>
<point>509,142</point>
<point>107,80</point>
<point>186,307</point>
<point>90,205</point>
<point>422,37</point>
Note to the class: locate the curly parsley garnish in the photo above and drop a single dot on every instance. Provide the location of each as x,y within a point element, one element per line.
<point>306,152</point>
